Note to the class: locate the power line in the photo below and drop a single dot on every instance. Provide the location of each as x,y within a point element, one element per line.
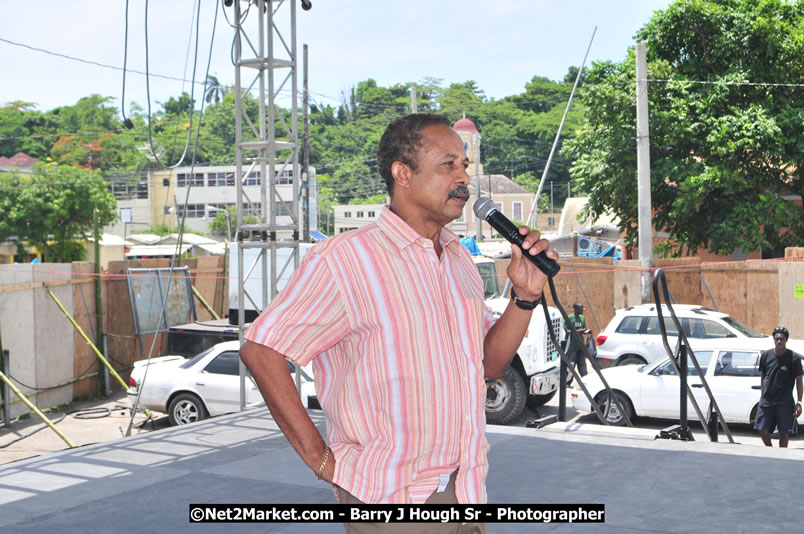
<point>706,82</point>
<point>89,62</point>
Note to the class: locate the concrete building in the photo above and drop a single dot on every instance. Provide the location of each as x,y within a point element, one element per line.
<point>162,197</point>
<point>352,216</point>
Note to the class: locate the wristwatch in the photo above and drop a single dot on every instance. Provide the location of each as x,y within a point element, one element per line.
<point>522,303</point>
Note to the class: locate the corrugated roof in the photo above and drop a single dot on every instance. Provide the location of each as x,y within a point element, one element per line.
<point>500,184</point>
<point>20,160</point>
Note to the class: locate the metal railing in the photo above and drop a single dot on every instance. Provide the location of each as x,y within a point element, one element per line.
<point>679,361</point>
<point>566,363</point>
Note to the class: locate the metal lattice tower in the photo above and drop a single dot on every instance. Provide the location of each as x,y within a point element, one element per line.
<point>268,140</point>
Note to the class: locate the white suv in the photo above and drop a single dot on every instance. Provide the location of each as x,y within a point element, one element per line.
<point>633,336</point>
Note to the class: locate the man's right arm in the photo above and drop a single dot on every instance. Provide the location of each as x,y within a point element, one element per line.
<point>270,370</point>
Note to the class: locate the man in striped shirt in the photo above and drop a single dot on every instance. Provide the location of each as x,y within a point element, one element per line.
<point>392,317</point>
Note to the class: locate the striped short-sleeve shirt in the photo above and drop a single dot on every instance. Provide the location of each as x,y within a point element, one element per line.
<point>395,334</point>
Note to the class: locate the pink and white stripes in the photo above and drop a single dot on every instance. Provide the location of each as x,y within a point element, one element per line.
<point>395,334</point>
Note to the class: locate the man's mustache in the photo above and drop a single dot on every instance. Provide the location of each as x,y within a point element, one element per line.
<point>460,190</point>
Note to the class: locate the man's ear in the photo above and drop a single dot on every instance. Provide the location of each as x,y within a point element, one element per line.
<point>401,173</point>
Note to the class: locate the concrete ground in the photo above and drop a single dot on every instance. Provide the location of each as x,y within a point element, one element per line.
<point>86,423</point>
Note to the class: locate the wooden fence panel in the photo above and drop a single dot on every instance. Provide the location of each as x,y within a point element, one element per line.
<point>683,277</point>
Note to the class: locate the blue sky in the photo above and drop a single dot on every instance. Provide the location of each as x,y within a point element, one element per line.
<point>500,44</point>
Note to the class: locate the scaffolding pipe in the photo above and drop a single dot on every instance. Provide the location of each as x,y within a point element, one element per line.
<point>205,303</point>
<point>34,409</point>
<point>89,341</point>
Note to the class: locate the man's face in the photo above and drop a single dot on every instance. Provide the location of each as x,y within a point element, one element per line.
<point>439,183</point>
<point>780,342</point>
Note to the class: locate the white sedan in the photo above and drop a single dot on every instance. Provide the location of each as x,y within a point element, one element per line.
<point>203,386</point>
<point>731,368</point>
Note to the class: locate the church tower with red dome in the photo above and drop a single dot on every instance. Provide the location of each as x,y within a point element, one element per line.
<point>471,143</point>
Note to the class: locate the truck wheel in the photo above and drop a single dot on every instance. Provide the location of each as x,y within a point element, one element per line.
<point>505,397</point>
<point>540,400</point>
<point>186,408</point>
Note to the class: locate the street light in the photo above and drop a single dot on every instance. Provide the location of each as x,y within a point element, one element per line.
<point>209,207</point>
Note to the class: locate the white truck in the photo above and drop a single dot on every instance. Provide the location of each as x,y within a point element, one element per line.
<point>533,377</point>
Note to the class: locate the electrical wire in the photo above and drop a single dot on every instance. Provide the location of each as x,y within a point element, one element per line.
<point>192,90</point>
<point>189,42</point>
<point>181,230</point>
<point>90,62</point>
<point>126,120</point>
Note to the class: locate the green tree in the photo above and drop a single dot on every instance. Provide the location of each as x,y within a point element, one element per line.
<point>24,129</point>
<point>54,208</point>
<point>221,224</point>
<point>461,99</point>
<point>215,90</point>
<point>725,134</point>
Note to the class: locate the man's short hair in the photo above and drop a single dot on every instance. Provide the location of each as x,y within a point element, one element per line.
<point>781,330</point>
<point>400,142</point>
<point>577,305</point>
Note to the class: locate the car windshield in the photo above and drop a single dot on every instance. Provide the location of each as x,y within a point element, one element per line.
<point>192,361</point>
<point>488,273</point>
<point>702,356</point>
<point>747,331</point>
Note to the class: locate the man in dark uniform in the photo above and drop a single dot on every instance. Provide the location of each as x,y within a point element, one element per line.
<point>780,368</point>
<point>575,351</point>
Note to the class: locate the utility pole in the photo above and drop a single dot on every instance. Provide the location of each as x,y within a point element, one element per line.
<point>644,219</point>
<point>98,307</point>
<point>476,143</point>
<point>552,206</point>
<point>305,151</point>
<point>414,108</point>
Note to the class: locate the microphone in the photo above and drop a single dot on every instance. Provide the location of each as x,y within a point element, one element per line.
<point>485,209</point>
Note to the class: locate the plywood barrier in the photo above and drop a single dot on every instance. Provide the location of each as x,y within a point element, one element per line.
<point>683,277</point>
<point>762,294</point>
<point>85,314</point>
<point>791,302</point>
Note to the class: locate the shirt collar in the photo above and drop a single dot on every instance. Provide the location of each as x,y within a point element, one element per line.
<point>402,235</point>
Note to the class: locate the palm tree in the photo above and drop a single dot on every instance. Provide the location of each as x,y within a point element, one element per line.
<point>214,89</point>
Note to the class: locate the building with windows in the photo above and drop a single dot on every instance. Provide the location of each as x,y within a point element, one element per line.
<point>352,216</point>
<point>163,197</point>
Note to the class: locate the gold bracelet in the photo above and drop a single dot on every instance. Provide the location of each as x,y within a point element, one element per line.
<point>327,450</point>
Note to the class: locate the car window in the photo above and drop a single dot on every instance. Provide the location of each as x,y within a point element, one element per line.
<point>747,331</point>
<point>652,326</point>
<point>705,329</point>
<point>703,357</point>
<point>194,360</point>
<point>629,325</point>
<point>738,363</point>
<point>666,369</point>
<point>225,363</point>
<point>488,273</point>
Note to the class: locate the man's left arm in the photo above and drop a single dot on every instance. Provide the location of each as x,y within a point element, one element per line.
<point>527,281</point>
